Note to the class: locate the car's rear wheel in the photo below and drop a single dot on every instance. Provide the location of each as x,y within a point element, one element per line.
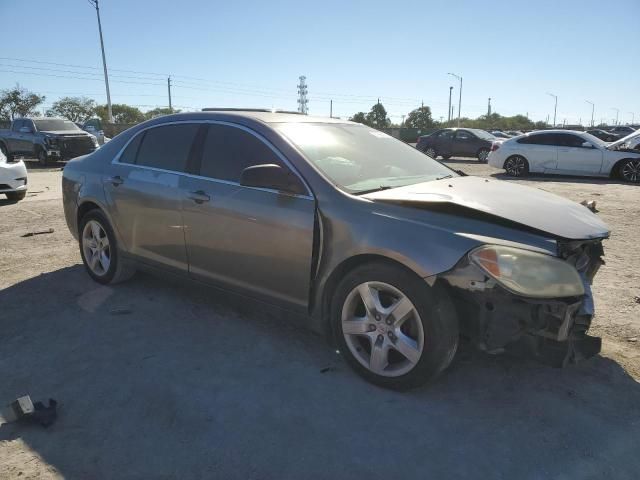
<point>99,250</point>
<point>629,170</point>
<point>16,196</point>
<point>393,329</point>
<point>482,155</point>
<point>446,157</point>
<point>516,166</point>
<point>431,152</point>
<point>43,158</point>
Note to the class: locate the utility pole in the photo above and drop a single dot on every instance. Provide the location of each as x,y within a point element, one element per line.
<point>555,108</point>
<point>489,109</point>
<point>593,108</point>
<point>617,112</point>
<point>330,108</point>
<point>633,117</point>
<point>459,96</point>
<point>94,3</point>
<point>302,95</point>
<point>449,111</point>
<point>169,89</point>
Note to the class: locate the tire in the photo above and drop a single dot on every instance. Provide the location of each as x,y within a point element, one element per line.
<point>108,269</point>
<point>446,157</point>
<point>431,152</point>
<point>629,170</point>
<point>483,155</point>
<point>43,158</point>
<point>516,166</point>
<point>16,196</point>
<point>426,330</point>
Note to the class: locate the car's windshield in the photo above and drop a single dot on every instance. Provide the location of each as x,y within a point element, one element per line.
<point>54,124</point>
<point>358,158</point>
<point>482,134</point>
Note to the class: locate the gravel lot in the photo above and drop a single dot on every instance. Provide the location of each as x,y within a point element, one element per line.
<point>159,379</point>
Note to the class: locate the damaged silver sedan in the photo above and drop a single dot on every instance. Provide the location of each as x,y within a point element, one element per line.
<point>390,254</point>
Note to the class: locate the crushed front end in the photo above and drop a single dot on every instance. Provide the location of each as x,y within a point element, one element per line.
<point>553,329</point>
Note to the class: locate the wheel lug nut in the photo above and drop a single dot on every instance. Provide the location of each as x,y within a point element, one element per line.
<point>391,335</point>
<point>388,321</point>
<point>378,318</point>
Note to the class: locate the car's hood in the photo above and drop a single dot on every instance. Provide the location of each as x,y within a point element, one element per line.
<point>65,133</point>
<point>529,207</point>
<point>623,139</point>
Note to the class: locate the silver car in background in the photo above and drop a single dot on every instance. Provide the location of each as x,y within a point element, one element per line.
<point>390,254</point>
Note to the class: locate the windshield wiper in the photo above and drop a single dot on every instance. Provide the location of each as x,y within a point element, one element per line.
<point>371,190</point>
<point>444,176</point>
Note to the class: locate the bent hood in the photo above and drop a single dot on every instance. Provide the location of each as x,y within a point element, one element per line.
<point>529,207</point>
<point>623,139</point>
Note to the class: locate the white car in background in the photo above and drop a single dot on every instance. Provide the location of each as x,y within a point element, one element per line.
<point>565,152</point>
<point>13,178</point>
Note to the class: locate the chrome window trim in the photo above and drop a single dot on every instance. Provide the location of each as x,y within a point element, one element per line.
<point>309,195</point>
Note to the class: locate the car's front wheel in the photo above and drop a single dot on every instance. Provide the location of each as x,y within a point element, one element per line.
<point>516,166</point>
<point>630,170</point>
<point>431,152</point>
<point>393,329</point>
<point>43,158</point>
<point>99,250</point>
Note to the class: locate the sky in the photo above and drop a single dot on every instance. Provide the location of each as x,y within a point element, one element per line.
<point>251,53</point>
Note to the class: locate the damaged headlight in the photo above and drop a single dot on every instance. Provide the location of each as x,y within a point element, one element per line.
<point>528,273</point>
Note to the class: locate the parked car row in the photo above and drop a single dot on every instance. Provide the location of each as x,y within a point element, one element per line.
<point>388,253</point>
<point>567,152</point>
<point>462,142</point>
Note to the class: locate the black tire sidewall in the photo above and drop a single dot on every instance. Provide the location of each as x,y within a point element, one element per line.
<point>42,156</point>
<point>436,312</point>
<point>100,217</point>
<point>16,196</point>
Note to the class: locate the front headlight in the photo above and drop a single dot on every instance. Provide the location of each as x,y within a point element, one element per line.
<point>528,273</point>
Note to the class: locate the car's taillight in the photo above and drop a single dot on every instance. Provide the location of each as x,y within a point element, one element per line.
<point>495,146</point>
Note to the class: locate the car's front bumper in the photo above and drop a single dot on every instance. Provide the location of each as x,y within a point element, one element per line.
<point>13,177</point>
<point>553,331</point>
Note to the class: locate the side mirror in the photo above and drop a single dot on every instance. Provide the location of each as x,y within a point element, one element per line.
<point>24,130</point>
<point>587,145</point>
<point>271,176</point>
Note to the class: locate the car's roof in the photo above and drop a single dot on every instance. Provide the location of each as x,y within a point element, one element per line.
<point>265,116</point>
<point>554,130</point>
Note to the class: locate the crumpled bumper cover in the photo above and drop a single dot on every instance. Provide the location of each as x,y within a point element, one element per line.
<point>553,331</point>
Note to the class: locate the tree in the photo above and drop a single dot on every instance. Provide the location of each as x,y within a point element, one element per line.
<point>377,117</point>
<point>76,109</point>
<point>360,117</point>
<point>157,112</point>
<point>18,101</point>
<point>121,113</point>
<point>419,118</point>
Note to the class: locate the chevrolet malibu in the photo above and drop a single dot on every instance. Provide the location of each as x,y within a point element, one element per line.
<point>385,251</point>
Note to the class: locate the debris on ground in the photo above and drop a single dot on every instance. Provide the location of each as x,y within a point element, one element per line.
<point>120,311</point>
<point>23,409</point>
<point>632,339</point>
<point>590,204</point>
<point>39,232</point>
<point>636,299</point>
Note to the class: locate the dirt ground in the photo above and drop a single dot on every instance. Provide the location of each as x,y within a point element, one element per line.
<point>158,379</point>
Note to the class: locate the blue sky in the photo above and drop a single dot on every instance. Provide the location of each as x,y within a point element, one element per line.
<point>242,54</point>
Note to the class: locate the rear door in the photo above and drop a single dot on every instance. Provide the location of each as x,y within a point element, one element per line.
<point>540,151</point>
<point>19,141</point>
<point>254,240</point>
<point>444,142</point>
<point>144,195</point>
<point>464,143</point>
<point>575,159</point>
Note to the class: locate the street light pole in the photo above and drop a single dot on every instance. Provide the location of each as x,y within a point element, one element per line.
<point>593,108</point>
<point>633,117</point>
<point>449,112</point>
<point>555,109</point>
<point>94,3</point>
<point>459,95</point>
<point>617,113</point>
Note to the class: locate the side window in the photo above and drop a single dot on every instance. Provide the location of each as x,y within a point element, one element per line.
<point>167,147</point>
<point>541,139</point>
<point>564,140</point>
<point>17,125</point>
<point>131,152</point>
<point>445,135</point>
<point>227,151</point>
<point>463,135</point>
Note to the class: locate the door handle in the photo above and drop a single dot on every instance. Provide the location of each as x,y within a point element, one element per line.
<point>115,180</point>
<point>198,196</point>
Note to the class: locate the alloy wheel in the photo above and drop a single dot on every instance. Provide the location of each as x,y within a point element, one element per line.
<point>431,152</point>
<point>483,155</point>
<point>382,329</point>
<point>96,248</point>
<point>515,166</point>
<point>631,171</point>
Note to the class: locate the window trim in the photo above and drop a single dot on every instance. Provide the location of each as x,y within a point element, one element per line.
<point>309,195</point>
